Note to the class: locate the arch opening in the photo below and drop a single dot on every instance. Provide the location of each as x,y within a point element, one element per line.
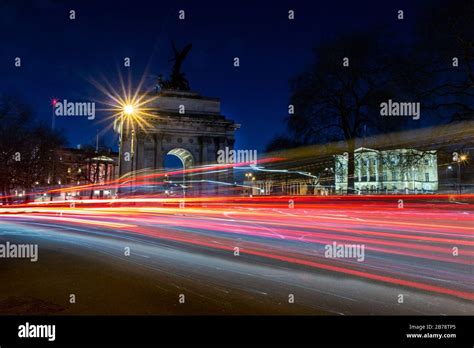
<point>184,156</point>
<point>176,160</point>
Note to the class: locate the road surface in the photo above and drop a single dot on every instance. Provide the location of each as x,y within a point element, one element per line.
<point>240,258</point>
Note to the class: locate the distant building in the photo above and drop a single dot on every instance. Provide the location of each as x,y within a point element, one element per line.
<point>85,167</point>
<point>400,170</point>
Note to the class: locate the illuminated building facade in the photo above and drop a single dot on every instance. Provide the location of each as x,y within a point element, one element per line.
<point>398,171</point>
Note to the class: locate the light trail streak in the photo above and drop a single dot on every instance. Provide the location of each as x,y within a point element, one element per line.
<point>221,223</point>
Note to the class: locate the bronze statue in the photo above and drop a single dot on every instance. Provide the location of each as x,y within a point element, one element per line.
<point>177,79</point>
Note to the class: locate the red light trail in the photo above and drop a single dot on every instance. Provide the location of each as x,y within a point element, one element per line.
<point>265,227</point>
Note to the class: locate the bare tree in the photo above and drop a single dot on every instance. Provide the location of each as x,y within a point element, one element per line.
<point>338,98</point>
<point>28,151</point>
<point>442,61</point>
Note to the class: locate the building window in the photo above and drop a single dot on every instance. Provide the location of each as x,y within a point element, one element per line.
<point>394,176</point>
<point>384,176</point>
<point>427,177</point>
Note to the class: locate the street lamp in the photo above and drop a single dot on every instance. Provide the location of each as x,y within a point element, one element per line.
<point>128,115</point>
<point>448,168</point>
<point>128,109</point>
<point>459,160</point>
<point>250,177</point>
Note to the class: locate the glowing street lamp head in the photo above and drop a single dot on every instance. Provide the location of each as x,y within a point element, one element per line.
<point>128,109</point>
<point>131,108</point>
<point>463,158</point>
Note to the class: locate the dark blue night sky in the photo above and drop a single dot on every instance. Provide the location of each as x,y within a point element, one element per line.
<point>59,55</point>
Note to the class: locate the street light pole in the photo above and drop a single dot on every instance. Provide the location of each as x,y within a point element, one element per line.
<point>459,176</point>
<point>120,151</point>
<point>120,143</point>
<point>132,148</point>
<point>128,111</point>
<point>132,157</point>
<point>459,160</point>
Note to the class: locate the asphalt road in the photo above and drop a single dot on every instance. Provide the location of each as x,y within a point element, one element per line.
<point>191,252</point>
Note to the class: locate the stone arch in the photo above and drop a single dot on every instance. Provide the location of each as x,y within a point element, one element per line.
<point>195,137</point>
<point>186,157</point>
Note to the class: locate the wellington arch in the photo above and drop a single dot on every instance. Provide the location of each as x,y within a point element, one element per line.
<point>185,124</point>
<point>182,123</point>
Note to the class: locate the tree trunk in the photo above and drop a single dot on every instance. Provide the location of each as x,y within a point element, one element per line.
<point>27,197</point>
<point>350,166</point>
<point>4,193</point>
<point>8,194</point>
